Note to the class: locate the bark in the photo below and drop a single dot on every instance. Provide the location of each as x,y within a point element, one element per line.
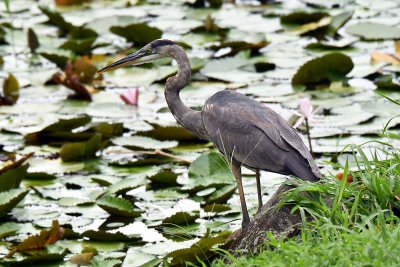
<point>281,222</point>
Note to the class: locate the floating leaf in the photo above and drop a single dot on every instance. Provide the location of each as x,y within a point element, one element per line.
<point>109,130</point>
<point>56,19</point>
<point>387,82</point>
<point>51,254</point>
<point>338,21</point>
<point>142,142</point>
<point>59,57</point>
<point>8,228</point>
<point>137,258</point>
<point>107,236</point>
<point>118,206</point>
<point>12,177</point>
<point>140,34</point>
<point>321,68</point>
<point>301,17</point>
<point>80,150</point>
<point>216,208</point>
<point>199,251</point>
<point>171,131</point>
<point>209,170</point>
<point>222,194</point>
<point>230,70</point>
<point>374,31</point>
<point>126,185</point>
<point>166,177</point>
<point>79,46</point>
<point>11,88</point>
<point>33,41</point>
<point>82,258</point>
<point>180,217</point>
<point>9,199</point>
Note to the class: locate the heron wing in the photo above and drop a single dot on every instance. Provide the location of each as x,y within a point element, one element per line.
<point>253,134</point>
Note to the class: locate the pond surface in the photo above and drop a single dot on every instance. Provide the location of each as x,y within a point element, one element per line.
<point>128,181</point>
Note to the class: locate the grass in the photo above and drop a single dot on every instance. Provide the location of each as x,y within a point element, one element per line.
<point>360,227</point>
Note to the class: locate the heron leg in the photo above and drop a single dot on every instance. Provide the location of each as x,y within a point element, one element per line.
<point>238,176</point>
<point>259,189</point>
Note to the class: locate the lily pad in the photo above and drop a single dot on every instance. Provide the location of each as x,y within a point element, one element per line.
<point>323,68</point>
<point>184,218</point>
<point>374,31</point>
<point>139,33</point>
<point>118,206</point>
<point>142,142</point>
<point>11,88</point>
<point>126,185</point>
<point>209,170</point>
<point>9,199</point>
<point>136,258</point>
<point>80,150</point>
<point>51,254</point>
<point>166,177</point>
<point>216,208</point>
<point>107,236</point>
<point>8,228</point>
<point>12,178</point>
<point>222,195</point>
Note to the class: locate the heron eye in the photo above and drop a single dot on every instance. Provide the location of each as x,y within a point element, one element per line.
<point>148,51</point>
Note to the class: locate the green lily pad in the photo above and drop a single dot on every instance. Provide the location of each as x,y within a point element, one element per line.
<point>9,199</point>
<point>79,46</point>
<point>338,21</point>
<point>222,195</point>
<point>8,228</point>
<point>374,31</point>
<point>80,150</point>
<point>136,258</point>
<point>73,201</point>
<point>171,131</point>
<point>59,57</point>
<point>231,70</point>
<point>323,68</point>
<point>301,17</point>
<point>11,88</point>
<point>56,19</point>
<point>139,33</point>
<point>101,262</point>
<point>12,178</point>
<point>107,236</point>
<point>118,206</point>
<point>180,217</point>
<point>199,251</point>
<point>216,208</point>
<point>166,177</point>
<point>209,170</point>
<point>52,253</point>
<point>126,184</point>
<point>141,142</point>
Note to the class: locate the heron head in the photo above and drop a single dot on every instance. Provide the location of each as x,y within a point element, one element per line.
<point>156,49</point>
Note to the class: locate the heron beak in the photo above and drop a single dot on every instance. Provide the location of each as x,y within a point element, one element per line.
<point>136,58</point>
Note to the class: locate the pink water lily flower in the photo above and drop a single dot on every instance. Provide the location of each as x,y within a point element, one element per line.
<point>306,112</point>
<point>131,96</point>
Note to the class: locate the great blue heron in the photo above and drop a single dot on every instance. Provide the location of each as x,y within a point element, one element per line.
<point>245,131</point>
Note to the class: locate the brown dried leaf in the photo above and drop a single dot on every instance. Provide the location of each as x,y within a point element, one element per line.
<point>36,242</point>
<point>73,82</point>
<point>377,57</point>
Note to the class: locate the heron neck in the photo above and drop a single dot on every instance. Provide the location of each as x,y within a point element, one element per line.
<point>187,117</point>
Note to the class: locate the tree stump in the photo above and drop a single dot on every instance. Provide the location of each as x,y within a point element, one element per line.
<point>279,222</point>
